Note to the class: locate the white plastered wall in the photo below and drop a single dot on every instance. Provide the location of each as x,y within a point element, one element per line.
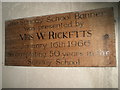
<point>56,77</point>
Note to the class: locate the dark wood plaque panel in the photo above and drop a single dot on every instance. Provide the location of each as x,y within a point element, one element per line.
<point>76,39</point>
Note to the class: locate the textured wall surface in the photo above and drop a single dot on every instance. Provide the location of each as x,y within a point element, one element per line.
<point>119,44</point>
<point>52,77</point>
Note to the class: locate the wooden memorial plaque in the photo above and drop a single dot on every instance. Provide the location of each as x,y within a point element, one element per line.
<point>76,39</point>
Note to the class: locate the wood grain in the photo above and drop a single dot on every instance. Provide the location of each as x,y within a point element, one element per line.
<point>75,39</point>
